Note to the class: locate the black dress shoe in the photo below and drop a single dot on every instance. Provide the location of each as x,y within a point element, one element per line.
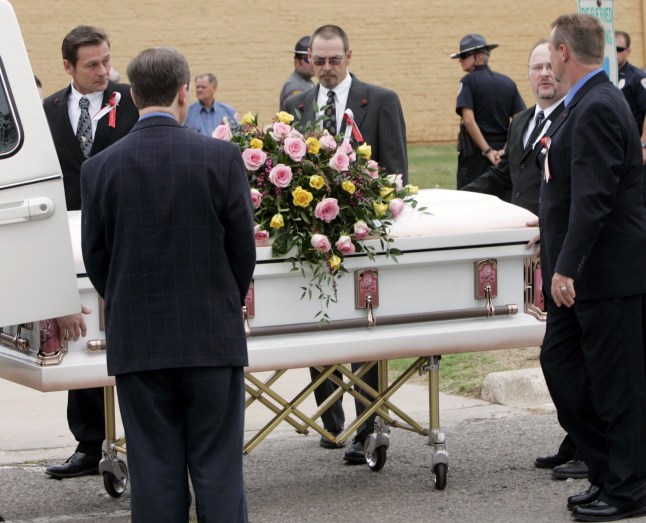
<point>355,455</point>
<point>574,469</point>
<point>583,498</point>
<point>78,464</point>
<point>600,511</point>
<point>327,444</point>
<point>549,462</point>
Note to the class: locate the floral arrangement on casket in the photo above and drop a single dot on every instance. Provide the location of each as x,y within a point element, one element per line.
<point>316,197</point>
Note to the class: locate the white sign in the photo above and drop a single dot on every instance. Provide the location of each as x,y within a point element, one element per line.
<point>604,10</point>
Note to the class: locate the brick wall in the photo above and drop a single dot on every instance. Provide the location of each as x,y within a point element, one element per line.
<point>403,45</point>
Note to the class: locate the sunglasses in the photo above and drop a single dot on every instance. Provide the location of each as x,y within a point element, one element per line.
<point>620,49</point>
<point>335,60</point>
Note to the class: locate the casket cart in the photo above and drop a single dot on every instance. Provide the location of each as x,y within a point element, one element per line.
<point>465,282</point>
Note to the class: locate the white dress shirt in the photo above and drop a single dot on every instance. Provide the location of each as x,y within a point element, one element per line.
<point>532,123</point>
<point>341,93</point>
<point>73,109</point>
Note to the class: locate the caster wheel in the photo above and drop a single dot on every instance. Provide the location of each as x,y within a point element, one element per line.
<point>440,476</point>
<point>113,486</point>
<point>377,460</point>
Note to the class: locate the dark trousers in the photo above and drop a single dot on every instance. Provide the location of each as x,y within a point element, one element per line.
<point>181,422</point>
<point>86,419</point>
<point>593,361</point>
<point>334,417</point>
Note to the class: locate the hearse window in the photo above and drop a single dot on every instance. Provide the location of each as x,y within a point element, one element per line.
<point>10,128</point>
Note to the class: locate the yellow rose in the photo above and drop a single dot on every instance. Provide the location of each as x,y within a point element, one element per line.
<point>364,151</point>
<point>313,145</point>
<point>284,117</point>
<point>348,187</point>
<point>387,193</point>
<point>380,208</point>
<point>248,119</point>
<point>334,262</point>
<point>412,189</point>
<point>302,198</point>
<point>256,143</point>
<point>277,221</point>
<point>317,181</point>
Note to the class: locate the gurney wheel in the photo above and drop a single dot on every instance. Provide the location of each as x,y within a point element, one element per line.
<point>114,486</point>
<point>440,476</point>
<point>377,460</point>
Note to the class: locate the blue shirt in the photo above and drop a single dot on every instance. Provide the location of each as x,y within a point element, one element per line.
<point>580,83</point>
<point>204,120</point>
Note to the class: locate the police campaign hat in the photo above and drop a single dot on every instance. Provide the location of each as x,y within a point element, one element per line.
<point>302,46</point>
<point>473,42</point>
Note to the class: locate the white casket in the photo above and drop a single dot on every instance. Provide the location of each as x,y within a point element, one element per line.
<point>426,303</point>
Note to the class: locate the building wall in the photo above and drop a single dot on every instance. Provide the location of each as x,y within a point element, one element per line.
<point>403,45</point>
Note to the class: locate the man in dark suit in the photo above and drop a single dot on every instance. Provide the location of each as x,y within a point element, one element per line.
<point>380,119</point>
<point>86,58</point>
<point>168,241</point>
<point>593,257</point>
<point>518,175</point>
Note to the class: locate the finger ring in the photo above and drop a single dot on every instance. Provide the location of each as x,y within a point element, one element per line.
<point>563,288</point>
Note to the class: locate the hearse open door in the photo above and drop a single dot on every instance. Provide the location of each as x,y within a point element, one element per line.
<point>37,276</point>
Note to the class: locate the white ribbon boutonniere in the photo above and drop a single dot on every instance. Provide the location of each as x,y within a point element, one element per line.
<point>546,141</point>
<point>351,128</point>
<point>110,107</point>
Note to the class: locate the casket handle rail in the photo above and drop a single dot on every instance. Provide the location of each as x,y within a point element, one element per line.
<point>401,319</point>
<point>54,358</point>
<point>16,341</point>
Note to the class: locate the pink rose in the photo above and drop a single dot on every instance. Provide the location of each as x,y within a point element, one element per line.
<point>327,209</point>
<point>254,159</point>
<point>280,131</point>
<point>361,230</point>
<point>256,198</point>
<point>327,141</point>
<point>372,169</point>
<point>345,245</point>
<point>346,146</point>
<point>396,179</point>
<point>281,175</point>
<point>295,134</point>
<point>222,132</point>
<point>321,243</point>
<point>295,148</point>
<point>261,236</point>
<point>340,161</point>
<point>396,206</point>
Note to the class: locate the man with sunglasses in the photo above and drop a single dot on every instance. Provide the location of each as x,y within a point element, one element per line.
<point>486,102</point>
<point>301,79</point>
<point>379,116</point>
<point>632,82</point>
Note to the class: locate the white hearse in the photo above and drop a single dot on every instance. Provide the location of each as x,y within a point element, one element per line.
<point>465,282</point>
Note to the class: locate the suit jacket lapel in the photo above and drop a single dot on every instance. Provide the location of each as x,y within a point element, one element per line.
<point>64,126</point>
<point>523,122</point>
<point>103,130</point>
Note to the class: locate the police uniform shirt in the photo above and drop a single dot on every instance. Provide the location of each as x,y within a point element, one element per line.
<point>632,82</point>
<point>493,98</point>
<point>295,84</point>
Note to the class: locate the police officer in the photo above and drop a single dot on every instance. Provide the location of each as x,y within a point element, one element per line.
<point>301,79</point>
<point>486,102</point>
<point>632,82</point>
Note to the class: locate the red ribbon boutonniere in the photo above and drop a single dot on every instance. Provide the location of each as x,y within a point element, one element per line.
<point>351,127</point>
<point>364,102</point>
<point>110,107</point>
<point>546,141</point>
<point>300,107</point>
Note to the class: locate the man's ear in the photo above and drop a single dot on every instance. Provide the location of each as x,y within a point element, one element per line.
<point>182,95</point>
<point>132,95</point>
<point>69,68</point>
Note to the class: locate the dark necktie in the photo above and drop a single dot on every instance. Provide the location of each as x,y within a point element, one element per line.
<point>330,114</point>
<point>84,128</point>
<point>538,124</point>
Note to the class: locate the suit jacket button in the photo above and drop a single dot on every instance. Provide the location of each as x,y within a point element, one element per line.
<point>522,166</point>
<point>517,195</point>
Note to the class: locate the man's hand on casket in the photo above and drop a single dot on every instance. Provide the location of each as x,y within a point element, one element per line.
<point>73,326</point>
<point>534,242</point>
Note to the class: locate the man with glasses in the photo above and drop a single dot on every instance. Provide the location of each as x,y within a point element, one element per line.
<point>301,79</point>
<point>486,102</point>
<point>632,82</point>
<point>379,116</point>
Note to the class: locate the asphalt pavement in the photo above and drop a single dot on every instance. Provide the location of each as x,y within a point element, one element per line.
<point>289,478</point>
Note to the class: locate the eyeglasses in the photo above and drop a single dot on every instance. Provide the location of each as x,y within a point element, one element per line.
<point>334,60</point>
<point>538,68</point>
<point>620,49</point>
